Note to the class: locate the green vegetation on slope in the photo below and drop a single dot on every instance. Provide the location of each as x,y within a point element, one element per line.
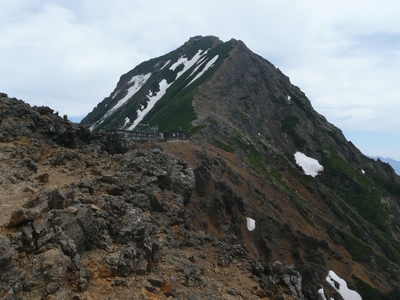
<point>175,108</point>
<point>356,189</point>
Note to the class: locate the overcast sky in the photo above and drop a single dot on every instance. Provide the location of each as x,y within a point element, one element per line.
<point>345,55</point>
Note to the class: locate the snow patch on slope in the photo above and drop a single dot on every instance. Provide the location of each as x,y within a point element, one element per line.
<point>321,293</point>
<point>251,224</point>
<point>309,165</point>
<point>115,95</point>
<point>138,81</point>
<point>166,64</point>
<point>342,288</point>
<point>127,120</point>
<point>152,101</point>
<point>208,65</point>
<point>187,64</point>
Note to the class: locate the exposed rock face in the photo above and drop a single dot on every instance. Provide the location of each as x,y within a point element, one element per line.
<point>87,221</point>
<point>121,213</point>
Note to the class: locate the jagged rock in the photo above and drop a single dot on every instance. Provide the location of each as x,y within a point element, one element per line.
<point>133,227</point>
<point>9,274</point>
<point>193,274</point>
<point>6,253</point>
<point>279,297</point>
<point>72,209</point>
<point>120,282</point>
<point>31,165</point>
<point>52,287</point>
<point>22,216</point>
<point>85,273</point>
<point>260,293</point>
<point>44,177</point>
<point>63,293</point>
<point>139,200</point>
<point>54,264</point>
<point>114,190</point>
<point>277,267</point>
<point>127,263</point>
<point>257,268</point>
<point>57,200</point>
<point>155,281</point>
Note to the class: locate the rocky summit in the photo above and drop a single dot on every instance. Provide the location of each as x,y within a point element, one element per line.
<point>205,174</point>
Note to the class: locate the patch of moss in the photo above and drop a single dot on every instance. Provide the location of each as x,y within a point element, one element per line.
<point>250,151</point>
<point>300,208</point>
<point>390,251</point>
<point>194,130</point>
<point>359,250</point>
<point>355,188</point>
<point>367,292</point>
<point>289,122</point>
<point>223,146</point>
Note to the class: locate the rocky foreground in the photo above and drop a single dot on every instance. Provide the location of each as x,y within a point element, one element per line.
<point>95,217</point>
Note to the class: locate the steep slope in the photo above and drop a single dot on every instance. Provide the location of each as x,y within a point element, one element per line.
<point>248,125</point>
<point>160,89</point>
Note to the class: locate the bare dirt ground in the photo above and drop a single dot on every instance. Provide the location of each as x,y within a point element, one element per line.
<point>231,282</point>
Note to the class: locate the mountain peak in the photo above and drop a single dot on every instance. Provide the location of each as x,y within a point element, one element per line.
<point>200,37</point>
<point>262,181</point>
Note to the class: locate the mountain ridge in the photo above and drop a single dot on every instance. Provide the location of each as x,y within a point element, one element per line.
<point>163,218</point>
<point>249,109</point>
<point>394,163</point>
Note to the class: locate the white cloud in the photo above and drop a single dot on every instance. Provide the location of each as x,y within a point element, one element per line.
<point>70,54</point>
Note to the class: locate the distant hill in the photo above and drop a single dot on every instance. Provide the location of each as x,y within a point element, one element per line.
<point>394,163</point>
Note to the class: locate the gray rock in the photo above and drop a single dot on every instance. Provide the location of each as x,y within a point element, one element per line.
<point>57,200</point>
<point>257,268</point>
<point>139,200</point>
<point>133,226</point>
<point>114,190</point>
<point>39,225</point>
<point>6,253</point>
<point>54,264</point>
<point>22,216</point>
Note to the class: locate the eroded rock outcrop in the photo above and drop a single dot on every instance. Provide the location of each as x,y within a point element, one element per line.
<point>122,213</point>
